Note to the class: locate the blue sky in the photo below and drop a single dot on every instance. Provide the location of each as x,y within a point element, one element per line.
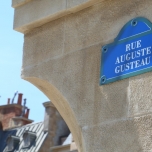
<point>11,49</point>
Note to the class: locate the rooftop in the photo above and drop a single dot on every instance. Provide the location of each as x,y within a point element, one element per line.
<point>37,128</point>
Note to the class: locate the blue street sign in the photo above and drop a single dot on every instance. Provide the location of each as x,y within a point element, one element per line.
<point>130,54</point>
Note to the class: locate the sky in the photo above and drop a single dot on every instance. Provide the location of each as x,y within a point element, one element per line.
<point>11,50</point>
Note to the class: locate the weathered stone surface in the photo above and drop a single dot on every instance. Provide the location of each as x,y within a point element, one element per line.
<point>112,137</point>
<point>62,59</point>
<point>38,12</point>
<point>73,3</point>
<point>80,86</point>
<point>44,43</point>
<point>121,135</point>
<point>87,27</point>
<point>25,16</point>
<point>140,94</point>
<point>55,125</point>
<point>17,3</point>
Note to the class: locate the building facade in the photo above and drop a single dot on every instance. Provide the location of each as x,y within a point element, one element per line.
<point>62,56</point>
<point>19,134</point>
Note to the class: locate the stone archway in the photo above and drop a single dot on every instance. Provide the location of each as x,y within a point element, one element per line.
<point>62,58</point>
<point>62,106</point>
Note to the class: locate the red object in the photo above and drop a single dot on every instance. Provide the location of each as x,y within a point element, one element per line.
<point>8,101</point>
<point>27,113</point>
<point>20,99</point>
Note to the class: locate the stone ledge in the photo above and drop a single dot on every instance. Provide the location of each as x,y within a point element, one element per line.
<point>10,106</point>
<point>23,118</point>
<point>36,13</point>
<point>131,134</point>
<point>48,104</point>
<point>17,3</point>
<point>60,148</point>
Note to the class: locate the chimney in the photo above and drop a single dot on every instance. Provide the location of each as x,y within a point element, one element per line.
<point>13,114</point>
<point>48,108</point>
<point>23,118</point>
<point>54,122</point>
<point>27,113</point>
<point>20,99</point>
<point>8,101</point>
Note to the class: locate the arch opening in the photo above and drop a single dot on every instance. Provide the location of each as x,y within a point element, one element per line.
<point>63,108</point>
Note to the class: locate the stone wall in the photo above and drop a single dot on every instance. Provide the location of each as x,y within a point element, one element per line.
<point>55,126</point>
<point>62,58</point>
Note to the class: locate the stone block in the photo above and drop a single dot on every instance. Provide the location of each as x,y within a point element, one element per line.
<point>44,43</point>
<point>76,76</point>
<point>120,136</point>
<point>140,94</point>
<point>96,24</point>
<point>17,3</point>
<point>36,13</point>
<point>73,3</point>
<point>62,58</point>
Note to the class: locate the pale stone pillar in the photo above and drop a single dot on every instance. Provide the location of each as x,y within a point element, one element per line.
<point>63,39</point>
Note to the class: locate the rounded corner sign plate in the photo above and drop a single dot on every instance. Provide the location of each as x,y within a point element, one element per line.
<point>130,54</point>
